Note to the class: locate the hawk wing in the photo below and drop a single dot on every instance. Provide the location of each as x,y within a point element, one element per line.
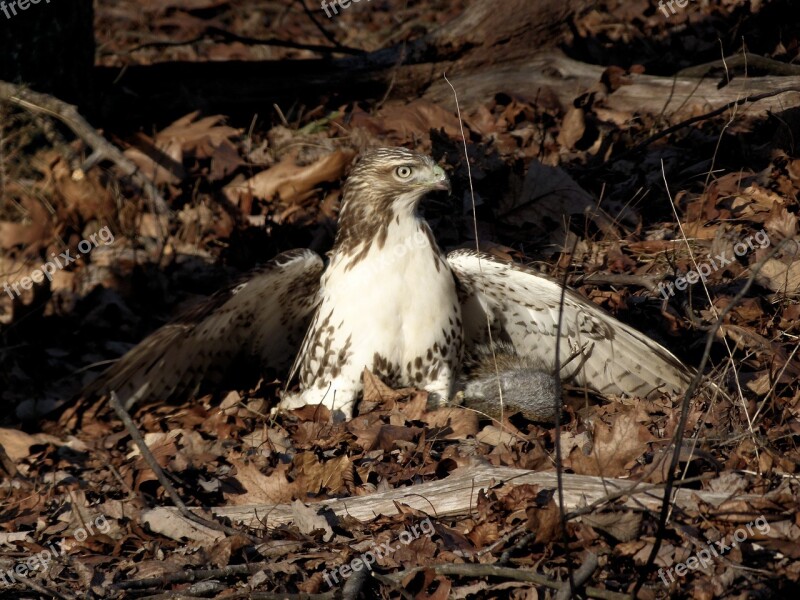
<point>265,316</point>
<point>523,307</point>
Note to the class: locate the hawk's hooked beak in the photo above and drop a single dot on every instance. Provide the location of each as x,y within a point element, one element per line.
<point>440,179</point>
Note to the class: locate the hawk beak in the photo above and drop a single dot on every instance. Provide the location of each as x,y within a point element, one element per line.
<point>440,181</point>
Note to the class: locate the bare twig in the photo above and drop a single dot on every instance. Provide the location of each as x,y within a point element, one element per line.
<point>228,36</point>
<point>162,479</point>
<point>679,430</point>
<point>698,118</point>
<point>68,114</point>
<point>562,513</point>
<point>328,35</point>
<point>191,575</point>
<point>509,573</point>
<point>649,283</point>
<point>582,575</point>
<point>44,591</point>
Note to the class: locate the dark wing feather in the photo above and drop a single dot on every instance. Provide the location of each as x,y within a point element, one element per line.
<point>523,309</point>
<point>265,316</point>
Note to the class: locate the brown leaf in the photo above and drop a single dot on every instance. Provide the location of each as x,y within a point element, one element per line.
<point>614,446</point>
<point>545,522</point>
<point>399,123</point>
<point>389,435</point>
<point>623,526</point>
<point>170,523</point>
<point>462,423</point>
<point>780,277</point>
<point>198,138</point>
<point>318,477</point>
<point>572,128</point>
<point>308,520</point>
<point>274,488</point>
<point>17,443</point>
<point>377,392</point>
<point>32,234</point>
<point>289,181</point>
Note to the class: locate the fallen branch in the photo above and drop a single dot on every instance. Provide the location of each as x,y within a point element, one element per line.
<point>102,149</point>
<point>704,117</point>
<point>162,479</point>
<point>457,494</point>
<point>581,575</point>
<point>509,573</point>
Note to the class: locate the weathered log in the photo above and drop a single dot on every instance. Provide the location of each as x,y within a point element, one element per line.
<point>455,495</point>
<point>491,48</point>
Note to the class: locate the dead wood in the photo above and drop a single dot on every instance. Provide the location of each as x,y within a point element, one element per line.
<point>102,149</point>
<point>480,37</point>
<point>458,495</point>
<point>491,48</point>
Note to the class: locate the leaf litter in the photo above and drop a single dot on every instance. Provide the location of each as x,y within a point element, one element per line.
<point>243,194</point>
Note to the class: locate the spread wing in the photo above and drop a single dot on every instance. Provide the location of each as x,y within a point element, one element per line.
<point>523,307</point>
<point>265,316</point>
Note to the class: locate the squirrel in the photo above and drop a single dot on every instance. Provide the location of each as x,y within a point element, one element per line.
<point>527,386</point>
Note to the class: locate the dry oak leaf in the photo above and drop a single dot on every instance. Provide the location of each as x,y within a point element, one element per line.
<point>289,181</point>
<point>17,443</point>
<point>274,488</point>
<point>398,122</point>
<point>198,138</point>
<point>614,446</point>
<point>36,230</point>
<point>377,392</point>
<point>169,523</point>
<point>456,423</point>
<point>162,159</point>
<point>780,277</point>
<point>623,526</point>
<point>545,522</point>
<point>308,520</point>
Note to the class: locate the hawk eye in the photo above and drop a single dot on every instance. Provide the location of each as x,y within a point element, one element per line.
<point>403,172</point>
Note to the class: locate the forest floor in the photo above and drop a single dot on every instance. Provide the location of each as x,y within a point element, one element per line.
<point>245,187</point>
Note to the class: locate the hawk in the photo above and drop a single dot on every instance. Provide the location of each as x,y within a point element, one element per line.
<point>389,301</point>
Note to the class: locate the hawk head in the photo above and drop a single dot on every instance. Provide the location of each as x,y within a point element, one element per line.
<point>385,184</point>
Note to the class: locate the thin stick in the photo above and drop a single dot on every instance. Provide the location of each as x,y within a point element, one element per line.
<point>477,244</point>
<point>679,432</point>
<point>229,36</point>
<point>162,479</point>
<point>509,573</point>
<point>68,114</point>
<point>698,118</point>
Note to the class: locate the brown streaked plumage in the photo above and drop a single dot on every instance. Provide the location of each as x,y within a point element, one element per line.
<point>388,301</point>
